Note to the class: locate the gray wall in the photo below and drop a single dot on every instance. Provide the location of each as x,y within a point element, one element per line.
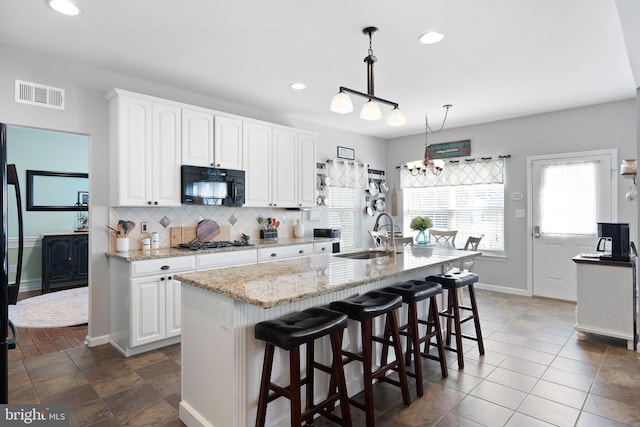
<point>611,125</point>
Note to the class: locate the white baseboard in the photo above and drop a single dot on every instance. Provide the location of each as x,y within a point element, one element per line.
<point>96,341</point>
<point>502,289</point>
<point>30,285</point>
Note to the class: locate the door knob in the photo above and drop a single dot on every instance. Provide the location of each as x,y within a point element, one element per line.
<point>536,231</point>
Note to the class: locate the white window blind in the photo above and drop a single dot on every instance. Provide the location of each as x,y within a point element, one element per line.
<point>471,209</point>
<point>345,211</point>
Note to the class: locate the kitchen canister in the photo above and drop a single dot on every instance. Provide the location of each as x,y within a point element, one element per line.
<point>155,240</point>
<point>122,244</point>
<point>298,229</point>
<point>146,243</point>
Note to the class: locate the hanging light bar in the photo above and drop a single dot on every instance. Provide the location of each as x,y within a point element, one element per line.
<point>341,102</point>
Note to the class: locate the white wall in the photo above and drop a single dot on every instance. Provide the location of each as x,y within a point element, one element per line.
<point>611,125</point>
<point>87,113</point>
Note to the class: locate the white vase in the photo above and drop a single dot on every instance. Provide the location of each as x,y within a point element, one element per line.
<point>298,229</point>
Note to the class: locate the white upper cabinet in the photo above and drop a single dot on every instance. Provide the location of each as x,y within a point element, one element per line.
<point>284,168</point>
<point>210,140</point>
<point>228,143</point>
<point>197,137</point>
<point>306,170</point>
<point>280,166</point>
<point>256,139</point>
<point>145,151</point>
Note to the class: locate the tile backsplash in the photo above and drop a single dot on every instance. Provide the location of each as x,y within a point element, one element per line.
<point>241,220</point>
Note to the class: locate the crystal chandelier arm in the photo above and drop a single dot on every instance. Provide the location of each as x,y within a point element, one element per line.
<point>365,95</point>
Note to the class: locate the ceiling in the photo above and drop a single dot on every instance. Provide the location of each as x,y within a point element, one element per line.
<point>499,59</point>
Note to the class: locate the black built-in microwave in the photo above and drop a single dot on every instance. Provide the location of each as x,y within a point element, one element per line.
<point>212,186</point>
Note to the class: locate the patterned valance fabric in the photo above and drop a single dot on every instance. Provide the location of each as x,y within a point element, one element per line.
<point>458,173</point>
<point>346,174</point>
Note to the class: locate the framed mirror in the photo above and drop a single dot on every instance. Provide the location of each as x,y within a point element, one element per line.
<point>57,191</point>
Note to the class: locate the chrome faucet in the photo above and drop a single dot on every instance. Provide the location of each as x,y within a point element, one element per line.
<point>390,239</point>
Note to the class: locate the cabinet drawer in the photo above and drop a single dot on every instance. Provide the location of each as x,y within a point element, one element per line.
<point>226,259</point>
<point>280,252</point>
<point>162,266</point>
<point>322,247</point>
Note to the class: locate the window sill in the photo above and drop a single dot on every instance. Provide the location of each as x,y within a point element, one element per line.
<point>497,256</point>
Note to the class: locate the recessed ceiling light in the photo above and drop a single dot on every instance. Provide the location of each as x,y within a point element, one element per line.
<point>431,37</point>
<point>298,86</point>
<point>66,7</point>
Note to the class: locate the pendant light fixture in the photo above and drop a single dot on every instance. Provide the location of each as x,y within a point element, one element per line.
<point>341,102</point>
<point>436,166</point>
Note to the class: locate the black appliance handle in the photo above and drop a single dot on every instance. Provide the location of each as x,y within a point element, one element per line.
<point>11,343</point>
<point>12,179</point>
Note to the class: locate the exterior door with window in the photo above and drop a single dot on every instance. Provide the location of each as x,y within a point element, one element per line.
<point>569,195</point>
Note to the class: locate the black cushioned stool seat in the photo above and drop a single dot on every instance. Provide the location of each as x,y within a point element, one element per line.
<point>289,333</point>
<point>412,292</point>
<point>451,282</point>
<point>364,309</point>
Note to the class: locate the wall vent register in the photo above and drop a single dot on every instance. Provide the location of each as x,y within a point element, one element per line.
<point>38,94</point>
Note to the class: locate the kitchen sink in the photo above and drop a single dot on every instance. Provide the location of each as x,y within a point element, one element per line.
<point>364,255</point>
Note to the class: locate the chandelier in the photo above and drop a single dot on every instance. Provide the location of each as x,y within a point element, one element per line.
<point>341,102</point>
<point>436,166</point>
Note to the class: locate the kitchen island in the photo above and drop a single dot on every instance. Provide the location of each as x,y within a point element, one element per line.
<point>221,360</point>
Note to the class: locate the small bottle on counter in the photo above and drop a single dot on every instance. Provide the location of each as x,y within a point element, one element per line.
<point>298,229</point>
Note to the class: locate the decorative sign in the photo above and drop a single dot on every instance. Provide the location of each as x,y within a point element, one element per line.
<point>346,153</point>
<point>447,150</point>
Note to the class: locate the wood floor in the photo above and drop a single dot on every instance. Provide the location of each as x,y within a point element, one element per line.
<point>34,342</point>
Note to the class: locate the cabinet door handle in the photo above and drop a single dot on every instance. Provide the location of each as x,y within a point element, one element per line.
<point>149,202</point>
<point>301,251</point>
<point>169,278</point>
<point>155,203</point>
<point>323,249</point>
<point>162,279</point>
<point>165,267</point>
<point>274,254</point>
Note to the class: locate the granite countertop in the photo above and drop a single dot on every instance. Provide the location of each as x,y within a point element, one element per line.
<point>139,255</point>
<point>591,259</point>
<point>277,283</point>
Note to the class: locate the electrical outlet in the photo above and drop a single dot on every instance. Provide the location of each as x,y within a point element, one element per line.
<point>144,228</point>
<point>13,268</point>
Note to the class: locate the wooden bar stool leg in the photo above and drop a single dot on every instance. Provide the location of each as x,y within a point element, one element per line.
<point>434,318</point>
<point>310,380</point>
<point>450,312</point>
<point>413,345</point>
<point>402,372</point>
<point>264,385</point>
<point>456,322</point>
<point>294,372</point>
<point>476,318</point>
<point>367,346</point>
<point>338,370</point>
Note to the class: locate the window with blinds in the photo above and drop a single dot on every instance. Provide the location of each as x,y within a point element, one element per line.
<point>345,211</point>
<point>471,209</point>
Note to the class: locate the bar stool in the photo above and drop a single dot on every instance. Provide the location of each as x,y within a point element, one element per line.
<point>412,292</point>
<point>451,282</point>
<point>364,309</point>
<point>289,333</point>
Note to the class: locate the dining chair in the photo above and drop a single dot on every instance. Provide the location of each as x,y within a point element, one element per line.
<point>443,237</point>
<point>471,245</point>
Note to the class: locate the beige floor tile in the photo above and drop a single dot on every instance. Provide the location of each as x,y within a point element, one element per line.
<point>522,420</point>
<point>589,420</point>
<point>499,394</point>
<point>559,393</point>
<point>549,411</point>
<point>523,366</point>
<point>483,412</point>
<point>575,366</point>
<point>512,379</point>
<point>613,410</point>
<point>569,379</point>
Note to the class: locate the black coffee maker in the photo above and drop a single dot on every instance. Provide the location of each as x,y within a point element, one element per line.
<point>618,235</point>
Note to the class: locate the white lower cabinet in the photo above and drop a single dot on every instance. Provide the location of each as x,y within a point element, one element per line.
<point>155,309</point>
<point>280,252</point>
<point>146,303</point>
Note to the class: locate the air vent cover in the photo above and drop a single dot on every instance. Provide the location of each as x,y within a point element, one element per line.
<point>37,94</point>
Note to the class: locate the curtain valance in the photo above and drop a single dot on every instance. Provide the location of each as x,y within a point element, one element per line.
<point>484,171</point>
<point>347,174</point>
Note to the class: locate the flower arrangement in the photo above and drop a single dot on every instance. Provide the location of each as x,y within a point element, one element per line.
<point>421,223</point>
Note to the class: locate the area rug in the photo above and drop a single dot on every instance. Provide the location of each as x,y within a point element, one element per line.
<point>53,310</point>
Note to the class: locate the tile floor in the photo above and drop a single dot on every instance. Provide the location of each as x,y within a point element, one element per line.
<point>534,373</point>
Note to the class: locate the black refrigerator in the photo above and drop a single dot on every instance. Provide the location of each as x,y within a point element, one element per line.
<point>8,294</point>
